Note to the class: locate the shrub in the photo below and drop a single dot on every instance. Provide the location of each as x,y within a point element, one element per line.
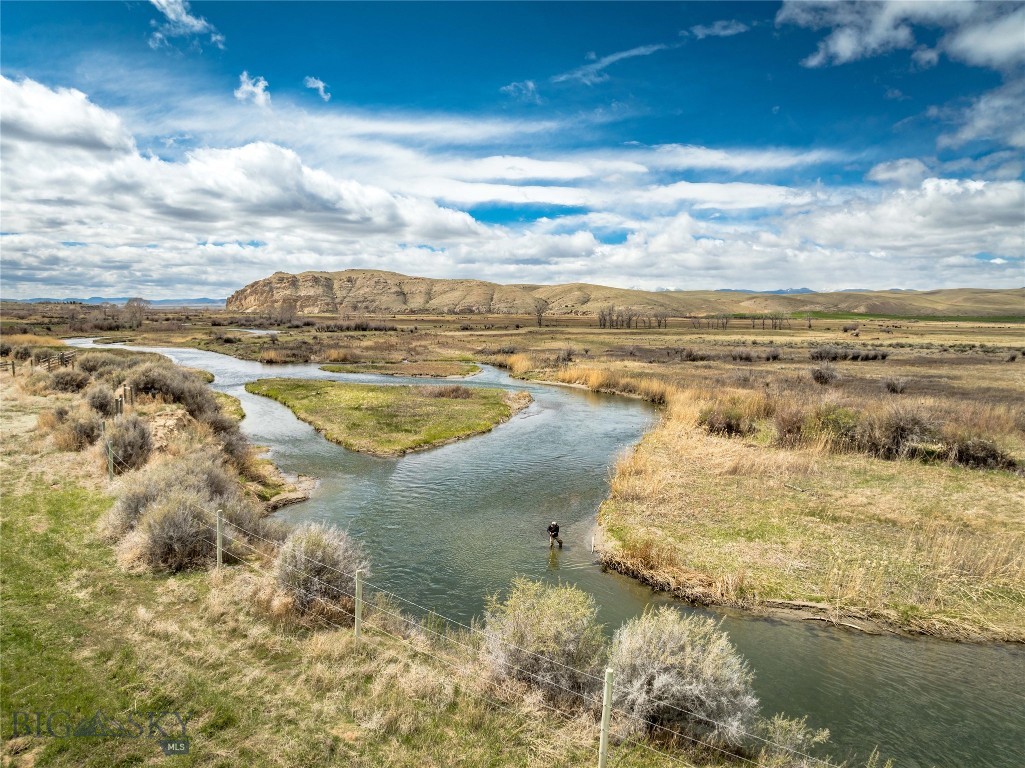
<point>564,357</point>
<point>788,741</point>
<point>546,636</point>
<point>895,386</point>
<point>70,380</point>
<point>5,349</point>
<point>200,473</point>
<point>727,419</point>
<point>78,433</point>
<point>101,399</point>
<point>772,354</point>
<point>839,424</point>
<point>319,563</point>
<point>682,673</point>
<point>37,383</point>
<point>131,443</point>
<point>453,391</point>
<point>178,533</point>
<point>177,386</point>
<point>898,432</point>
<point>825,375</point>
<point>48,420</point>
<point>1012,357</point>
<point>789,426</point>
<point>742,355</point>
<point>22,352</point>
<point>971,450</point>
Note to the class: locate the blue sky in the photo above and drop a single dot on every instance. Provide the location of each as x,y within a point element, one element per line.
<point>171,149</point>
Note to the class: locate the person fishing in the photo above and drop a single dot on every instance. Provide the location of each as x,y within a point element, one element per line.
<point>553,535</point>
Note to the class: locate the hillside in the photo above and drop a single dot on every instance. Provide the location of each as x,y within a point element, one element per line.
<point>377,292</point>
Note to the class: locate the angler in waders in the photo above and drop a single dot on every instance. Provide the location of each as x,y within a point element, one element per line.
<point>553,535</point>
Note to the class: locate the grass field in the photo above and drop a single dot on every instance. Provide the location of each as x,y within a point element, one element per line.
<point>391,420</point>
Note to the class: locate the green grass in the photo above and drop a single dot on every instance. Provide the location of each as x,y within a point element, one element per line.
<point>387,420</point>
<point>431,368</point>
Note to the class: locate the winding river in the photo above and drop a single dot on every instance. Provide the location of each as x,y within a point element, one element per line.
<point>449,526</point>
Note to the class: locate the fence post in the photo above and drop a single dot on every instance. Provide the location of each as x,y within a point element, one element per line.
<point>220,534</point>
<point>110,461</point>
<point>358,613</point>
<point>606,710</point>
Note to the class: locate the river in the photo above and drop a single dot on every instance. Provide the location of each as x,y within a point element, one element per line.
<point>449,526</point>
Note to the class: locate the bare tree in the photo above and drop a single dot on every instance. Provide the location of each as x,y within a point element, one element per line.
<point>662,318</point>
<point>135,311</point>
<point>540,307</point>
<point>286,311</point>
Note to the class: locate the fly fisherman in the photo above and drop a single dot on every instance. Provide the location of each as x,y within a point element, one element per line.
<point>553,535</point>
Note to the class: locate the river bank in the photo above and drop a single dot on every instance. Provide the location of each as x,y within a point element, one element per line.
<point>869,544</point>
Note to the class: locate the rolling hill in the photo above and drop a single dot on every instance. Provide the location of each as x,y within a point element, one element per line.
<point>367,291</point>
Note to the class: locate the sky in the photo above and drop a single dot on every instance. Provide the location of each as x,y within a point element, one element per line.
<point>170,149</point>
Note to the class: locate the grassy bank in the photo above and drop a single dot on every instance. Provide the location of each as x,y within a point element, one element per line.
<point>765,519</point>
<point>426,368</point>
<point>387,420</point>
<point>81,635</point>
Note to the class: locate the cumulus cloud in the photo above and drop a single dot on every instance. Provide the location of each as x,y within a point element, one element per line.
<point>253,89</point>
<point>61,117</point>
<point>318,85</point>
<point>525,90</point>
<point>979,33</point>
<point>179,22</point>
<point>908,172</point>
<point>722,28</point>
<point>593,73</point>
<point>234,211</point>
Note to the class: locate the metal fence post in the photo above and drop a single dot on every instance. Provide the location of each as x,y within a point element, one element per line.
<point>606,710</point>
<point>358,613</point>
<point>110,461</point>
<point>220,540</point>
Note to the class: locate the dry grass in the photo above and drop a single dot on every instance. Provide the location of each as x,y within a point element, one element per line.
<point>930,548</point>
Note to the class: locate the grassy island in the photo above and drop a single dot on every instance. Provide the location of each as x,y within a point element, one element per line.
<point>392,420</point>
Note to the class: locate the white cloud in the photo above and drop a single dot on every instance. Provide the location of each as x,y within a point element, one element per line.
<point>254,89</point>
<point>62,117</point>
<point>680,156</point>
<point>181,23</point>
<point>994,116</point>
<point>980,33</point>
<point>723,28</point>
<point>593,73</point>
<point>992,41</point>
<point>318,85</point>
<point>908,172</point>
<point>525,90</point>
<point>317,191</point>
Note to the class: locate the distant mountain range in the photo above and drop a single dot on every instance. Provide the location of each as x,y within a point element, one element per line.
<point>777,292</point>
<point>124,300</point>
<point>376,292</point>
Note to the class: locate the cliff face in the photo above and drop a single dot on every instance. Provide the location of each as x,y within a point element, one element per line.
<point>368,291</point>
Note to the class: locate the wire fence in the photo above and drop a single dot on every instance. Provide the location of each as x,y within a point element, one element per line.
<point>448,631</point>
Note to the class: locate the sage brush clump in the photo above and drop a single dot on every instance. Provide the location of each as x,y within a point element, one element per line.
<point>319,563</point>
<point>131,443</point>
<point>547,637</point>
<point>682,673</point>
